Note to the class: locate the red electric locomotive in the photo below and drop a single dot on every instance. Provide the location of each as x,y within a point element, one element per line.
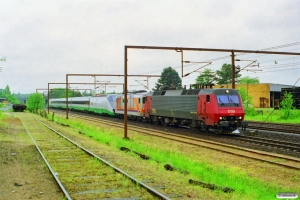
<point>217,110</point>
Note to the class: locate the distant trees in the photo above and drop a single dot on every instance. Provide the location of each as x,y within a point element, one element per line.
<point>225,74</point>
<point>35,101</point>
<point>85,93</point>
<point>6,93</point>
<point>248,80</point>
<point>61,93</point>
<point>169,78</point>
<point>7,90</point>
<point>205,78</point>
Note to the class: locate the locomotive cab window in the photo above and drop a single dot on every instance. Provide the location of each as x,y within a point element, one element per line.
<point>207,98</point>
<point>228,100</point>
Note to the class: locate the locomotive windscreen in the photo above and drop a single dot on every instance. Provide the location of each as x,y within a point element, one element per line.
<point>228,100</point>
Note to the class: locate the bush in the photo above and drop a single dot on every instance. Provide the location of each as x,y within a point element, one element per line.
<point>286,106</point>
<point>247,102</point>
<point>250,111</point>
<point>35,101</point>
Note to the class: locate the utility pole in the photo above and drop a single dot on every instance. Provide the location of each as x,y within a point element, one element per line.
<point>233,70</point>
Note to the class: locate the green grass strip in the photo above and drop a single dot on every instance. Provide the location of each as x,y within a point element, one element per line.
<point>245,187</point>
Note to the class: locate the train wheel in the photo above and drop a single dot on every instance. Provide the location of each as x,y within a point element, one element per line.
<point>204,127</point>
<point>176,124</point>
<point>163,123</point>
<point>156,122</point>
<point>220,129</point>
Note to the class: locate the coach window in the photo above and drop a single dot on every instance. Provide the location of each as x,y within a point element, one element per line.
<point>207,98</point>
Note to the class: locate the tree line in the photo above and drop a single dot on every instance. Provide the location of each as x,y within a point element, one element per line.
<point>170,78</point>
<point>6,93</point>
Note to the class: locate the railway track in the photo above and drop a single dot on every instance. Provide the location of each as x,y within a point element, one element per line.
<point>271,143</point>
<point>276,159</point>
<point>80,173</point>
<point>285,128</point>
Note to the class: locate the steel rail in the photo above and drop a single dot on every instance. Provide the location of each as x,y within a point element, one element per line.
<point>259,128</point>
<point>286,128</point>
<point>48,165</point>
<point>272,143</point>
<point>149,189</point>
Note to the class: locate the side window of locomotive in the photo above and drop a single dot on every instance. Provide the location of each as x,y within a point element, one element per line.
<point>207,98</point>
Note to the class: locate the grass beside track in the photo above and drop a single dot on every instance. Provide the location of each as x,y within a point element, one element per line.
<point>275,116</point>
<point>245,186</point>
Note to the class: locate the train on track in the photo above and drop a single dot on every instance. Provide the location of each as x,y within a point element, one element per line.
<point>218,110</point>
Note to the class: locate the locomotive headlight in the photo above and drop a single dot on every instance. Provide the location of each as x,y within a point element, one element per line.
<point>220,117</point>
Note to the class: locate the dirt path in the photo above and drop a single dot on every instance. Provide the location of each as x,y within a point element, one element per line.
<point>23,173</point>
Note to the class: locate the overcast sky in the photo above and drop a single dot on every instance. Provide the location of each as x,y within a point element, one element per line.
<point>43,41</point>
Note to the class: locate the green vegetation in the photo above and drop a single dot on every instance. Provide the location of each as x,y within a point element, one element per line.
<point>271,115</point>
<point>205,78</point>
<point>285,114</point>
<point>248,80</point>
<point>245,187</point>
<point>35,101</point>
<point>61,93</point>
<point>223,77</point>
<point>169,78</point>
<point>225,74</point>
<point>286,105</point>
<point>247,102</point>
<point>6,93</point>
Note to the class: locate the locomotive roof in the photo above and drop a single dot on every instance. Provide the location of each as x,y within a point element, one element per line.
<point>193,92</point>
